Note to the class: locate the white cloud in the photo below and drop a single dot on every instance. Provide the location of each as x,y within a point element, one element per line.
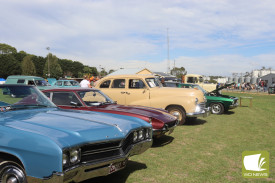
<point>128,33</point>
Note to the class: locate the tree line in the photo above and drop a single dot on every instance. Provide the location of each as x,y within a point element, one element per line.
<point>13,62</point>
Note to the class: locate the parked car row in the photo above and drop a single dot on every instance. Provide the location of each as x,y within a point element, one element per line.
<point>64,133</point>
<point>217,102</point>
<point>43,143</point>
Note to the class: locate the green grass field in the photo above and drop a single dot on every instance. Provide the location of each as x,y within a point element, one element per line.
<point>209,150</point>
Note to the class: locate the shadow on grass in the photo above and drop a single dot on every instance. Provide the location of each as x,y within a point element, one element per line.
<point>229,112</point>
<point>120,176</point>
<point>195,122</point>
<point>162,141</point>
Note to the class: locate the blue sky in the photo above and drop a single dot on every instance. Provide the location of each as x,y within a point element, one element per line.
<point>210,37</point>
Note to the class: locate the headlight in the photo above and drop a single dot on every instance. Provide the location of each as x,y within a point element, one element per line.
<point>74,156</point>
<point>198,108</point>
<point>140,134</point>
<point>135,136</point>
<point>148,133</point>
<point>196,101</point>
<point>64,159</point>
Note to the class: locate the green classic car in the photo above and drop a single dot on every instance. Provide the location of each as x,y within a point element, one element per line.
<point>217,102</point>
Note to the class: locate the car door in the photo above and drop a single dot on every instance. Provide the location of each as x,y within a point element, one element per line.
<point>136,92</point>
<point>115,89</point>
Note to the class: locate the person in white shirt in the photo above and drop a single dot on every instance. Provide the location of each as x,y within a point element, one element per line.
<point>85,83</point>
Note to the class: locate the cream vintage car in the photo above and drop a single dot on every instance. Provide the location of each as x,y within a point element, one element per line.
<point>146,90</point>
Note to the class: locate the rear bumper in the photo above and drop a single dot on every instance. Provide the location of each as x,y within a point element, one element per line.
<point>89,170</point>
<point>203,113</point>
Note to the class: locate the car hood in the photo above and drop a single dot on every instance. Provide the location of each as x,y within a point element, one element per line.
<point>69,128</point>
<point>222,87</point>
<point>159,114</point>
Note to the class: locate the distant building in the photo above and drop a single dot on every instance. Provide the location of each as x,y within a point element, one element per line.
<point>269,79</point>
<point>142,71</point>
<point>131,71</point>
<point>261,72</point>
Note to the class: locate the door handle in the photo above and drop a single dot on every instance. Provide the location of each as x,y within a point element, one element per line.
<point>128,93</point>
<point>122,92</point>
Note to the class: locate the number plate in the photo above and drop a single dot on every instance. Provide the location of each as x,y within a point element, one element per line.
<point>117,166</point>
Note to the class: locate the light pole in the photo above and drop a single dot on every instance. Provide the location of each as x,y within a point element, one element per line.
<point>49,72</point>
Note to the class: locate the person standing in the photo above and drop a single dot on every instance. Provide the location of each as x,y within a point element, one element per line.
<point>85,83</point>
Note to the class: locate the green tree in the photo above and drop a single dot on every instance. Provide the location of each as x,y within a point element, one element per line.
<point>39,63</point>
<point>112,70</point>
<point>9,65</point>
<point>77,69</point>
<point>103,72</point>
<point>55,70</point>
<point>7,49</point>
<point>178,72</point>
<point>28,68</point>
<point>20,56</point>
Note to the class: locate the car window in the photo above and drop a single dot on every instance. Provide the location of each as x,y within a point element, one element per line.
<point>58,83</point>
<point>23,97</point>
<point>94,98</point>
<point>185,86</point>
<point>48,94</point>
<point>64,98</point>
<point>136,83</point>
<point>74,83</point>
<point>67,83</point>
<point>105,84</point>
<point>118,83</point>
<point>21,81</point>
<point>31,82</point>
<point>41,83</point>
<point>153,82</point>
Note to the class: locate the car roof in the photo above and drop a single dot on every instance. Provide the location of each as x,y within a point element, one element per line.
<point>130,75</point>
<point>24,77</point>
<point>71,89</point>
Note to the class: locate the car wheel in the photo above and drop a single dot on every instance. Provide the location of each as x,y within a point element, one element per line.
<point>178,112</point>
<point>11,172</point>
<point>217,108</point>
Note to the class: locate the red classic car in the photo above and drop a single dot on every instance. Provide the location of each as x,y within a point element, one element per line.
<point>94,100</point>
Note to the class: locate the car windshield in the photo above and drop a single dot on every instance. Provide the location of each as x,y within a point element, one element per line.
<point>74,83</point>
<point>200,88</point>
<point>41,83</point>
<point>94,98</point>
<point>153,82</point>
<point>22,97</point>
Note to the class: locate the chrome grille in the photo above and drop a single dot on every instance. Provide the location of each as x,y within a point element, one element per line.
<point>106,150</point>
<point>95,152</point>
<point>202,105</point>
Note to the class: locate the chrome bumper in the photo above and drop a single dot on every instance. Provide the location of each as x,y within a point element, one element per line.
<point>88,170</point>
<point>233,106</point>
<point>165,129</point>
<point>203,113</point>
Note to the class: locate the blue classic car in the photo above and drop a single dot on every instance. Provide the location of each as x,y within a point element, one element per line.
<point>63,83</point>
<point>42,143</point>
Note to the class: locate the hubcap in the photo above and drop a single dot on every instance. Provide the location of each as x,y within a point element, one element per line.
<point>216,109</point>
<point>12,174</point>
<point>12,180</point>
<point>176,113</point>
